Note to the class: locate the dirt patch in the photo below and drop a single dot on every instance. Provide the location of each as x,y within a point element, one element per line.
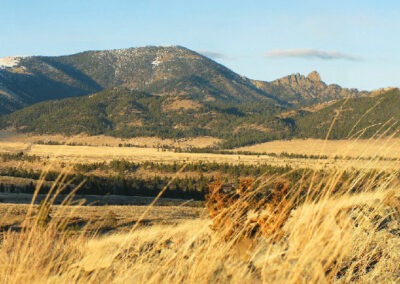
<point>183,104</point>
<point>253,126</point>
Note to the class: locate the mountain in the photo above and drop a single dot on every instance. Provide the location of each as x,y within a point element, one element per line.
<point>161,71</point>
<point>300,90</point>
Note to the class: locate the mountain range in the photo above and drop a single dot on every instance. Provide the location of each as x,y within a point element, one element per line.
<point>159,91</point>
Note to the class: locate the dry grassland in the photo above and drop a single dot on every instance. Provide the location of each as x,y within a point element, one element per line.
<point>353,148</point>
<point>148,150</point>
<point>102,140</point>
<point>115,218</point>
<point>328,237</point>
<point>72,154</point>
<point>85,154</point>
<point>324,230</point>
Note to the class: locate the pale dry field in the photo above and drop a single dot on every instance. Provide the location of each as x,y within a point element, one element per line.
<point>102,140</point>
<point>84,154</point>
<point>353,148</point>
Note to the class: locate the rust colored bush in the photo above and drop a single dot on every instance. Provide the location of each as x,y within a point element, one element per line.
<point>247,211</point>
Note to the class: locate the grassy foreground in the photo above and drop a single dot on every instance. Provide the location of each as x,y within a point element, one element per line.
<point>321,230</point>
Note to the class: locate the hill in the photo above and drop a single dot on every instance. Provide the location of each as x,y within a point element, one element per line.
<point>360,117</point>
<point>125,112</point>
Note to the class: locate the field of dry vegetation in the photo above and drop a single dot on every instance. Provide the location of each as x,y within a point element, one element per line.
<point>337,226</point>
<point>336,154</point>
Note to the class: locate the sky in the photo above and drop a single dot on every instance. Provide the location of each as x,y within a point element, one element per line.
<point>352,43</point>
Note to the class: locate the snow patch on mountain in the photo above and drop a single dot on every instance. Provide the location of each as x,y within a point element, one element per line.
<point>156,61</point>
<point>9,61</point>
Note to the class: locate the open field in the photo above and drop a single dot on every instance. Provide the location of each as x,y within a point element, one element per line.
<point>354,149</point>
<point>102,140</point>
<point>105,148</point>
<point>11,141</point>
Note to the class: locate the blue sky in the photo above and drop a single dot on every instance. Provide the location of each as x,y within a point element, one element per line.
<point>352,43</point>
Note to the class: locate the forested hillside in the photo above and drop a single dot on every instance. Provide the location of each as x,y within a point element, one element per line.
<point>361,117</point>
<point>126,113</point>
<point>123,112</point>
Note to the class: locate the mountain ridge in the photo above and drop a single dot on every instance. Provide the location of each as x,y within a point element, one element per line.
<point>171,70</point>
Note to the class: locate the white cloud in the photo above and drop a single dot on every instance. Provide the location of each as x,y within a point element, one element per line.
<point>311,54</point>
<point>214,55</point>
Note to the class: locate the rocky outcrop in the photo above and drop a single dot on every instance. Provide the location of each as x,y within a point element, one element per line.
<point>301,90</point>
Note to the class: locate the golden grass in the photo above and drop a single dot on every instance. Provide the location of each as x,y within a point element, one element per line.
<point>123,217</point>
<point>9,138</point>
<point>353,148</point>
<point>358,150</point>
<point>335,232</point>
